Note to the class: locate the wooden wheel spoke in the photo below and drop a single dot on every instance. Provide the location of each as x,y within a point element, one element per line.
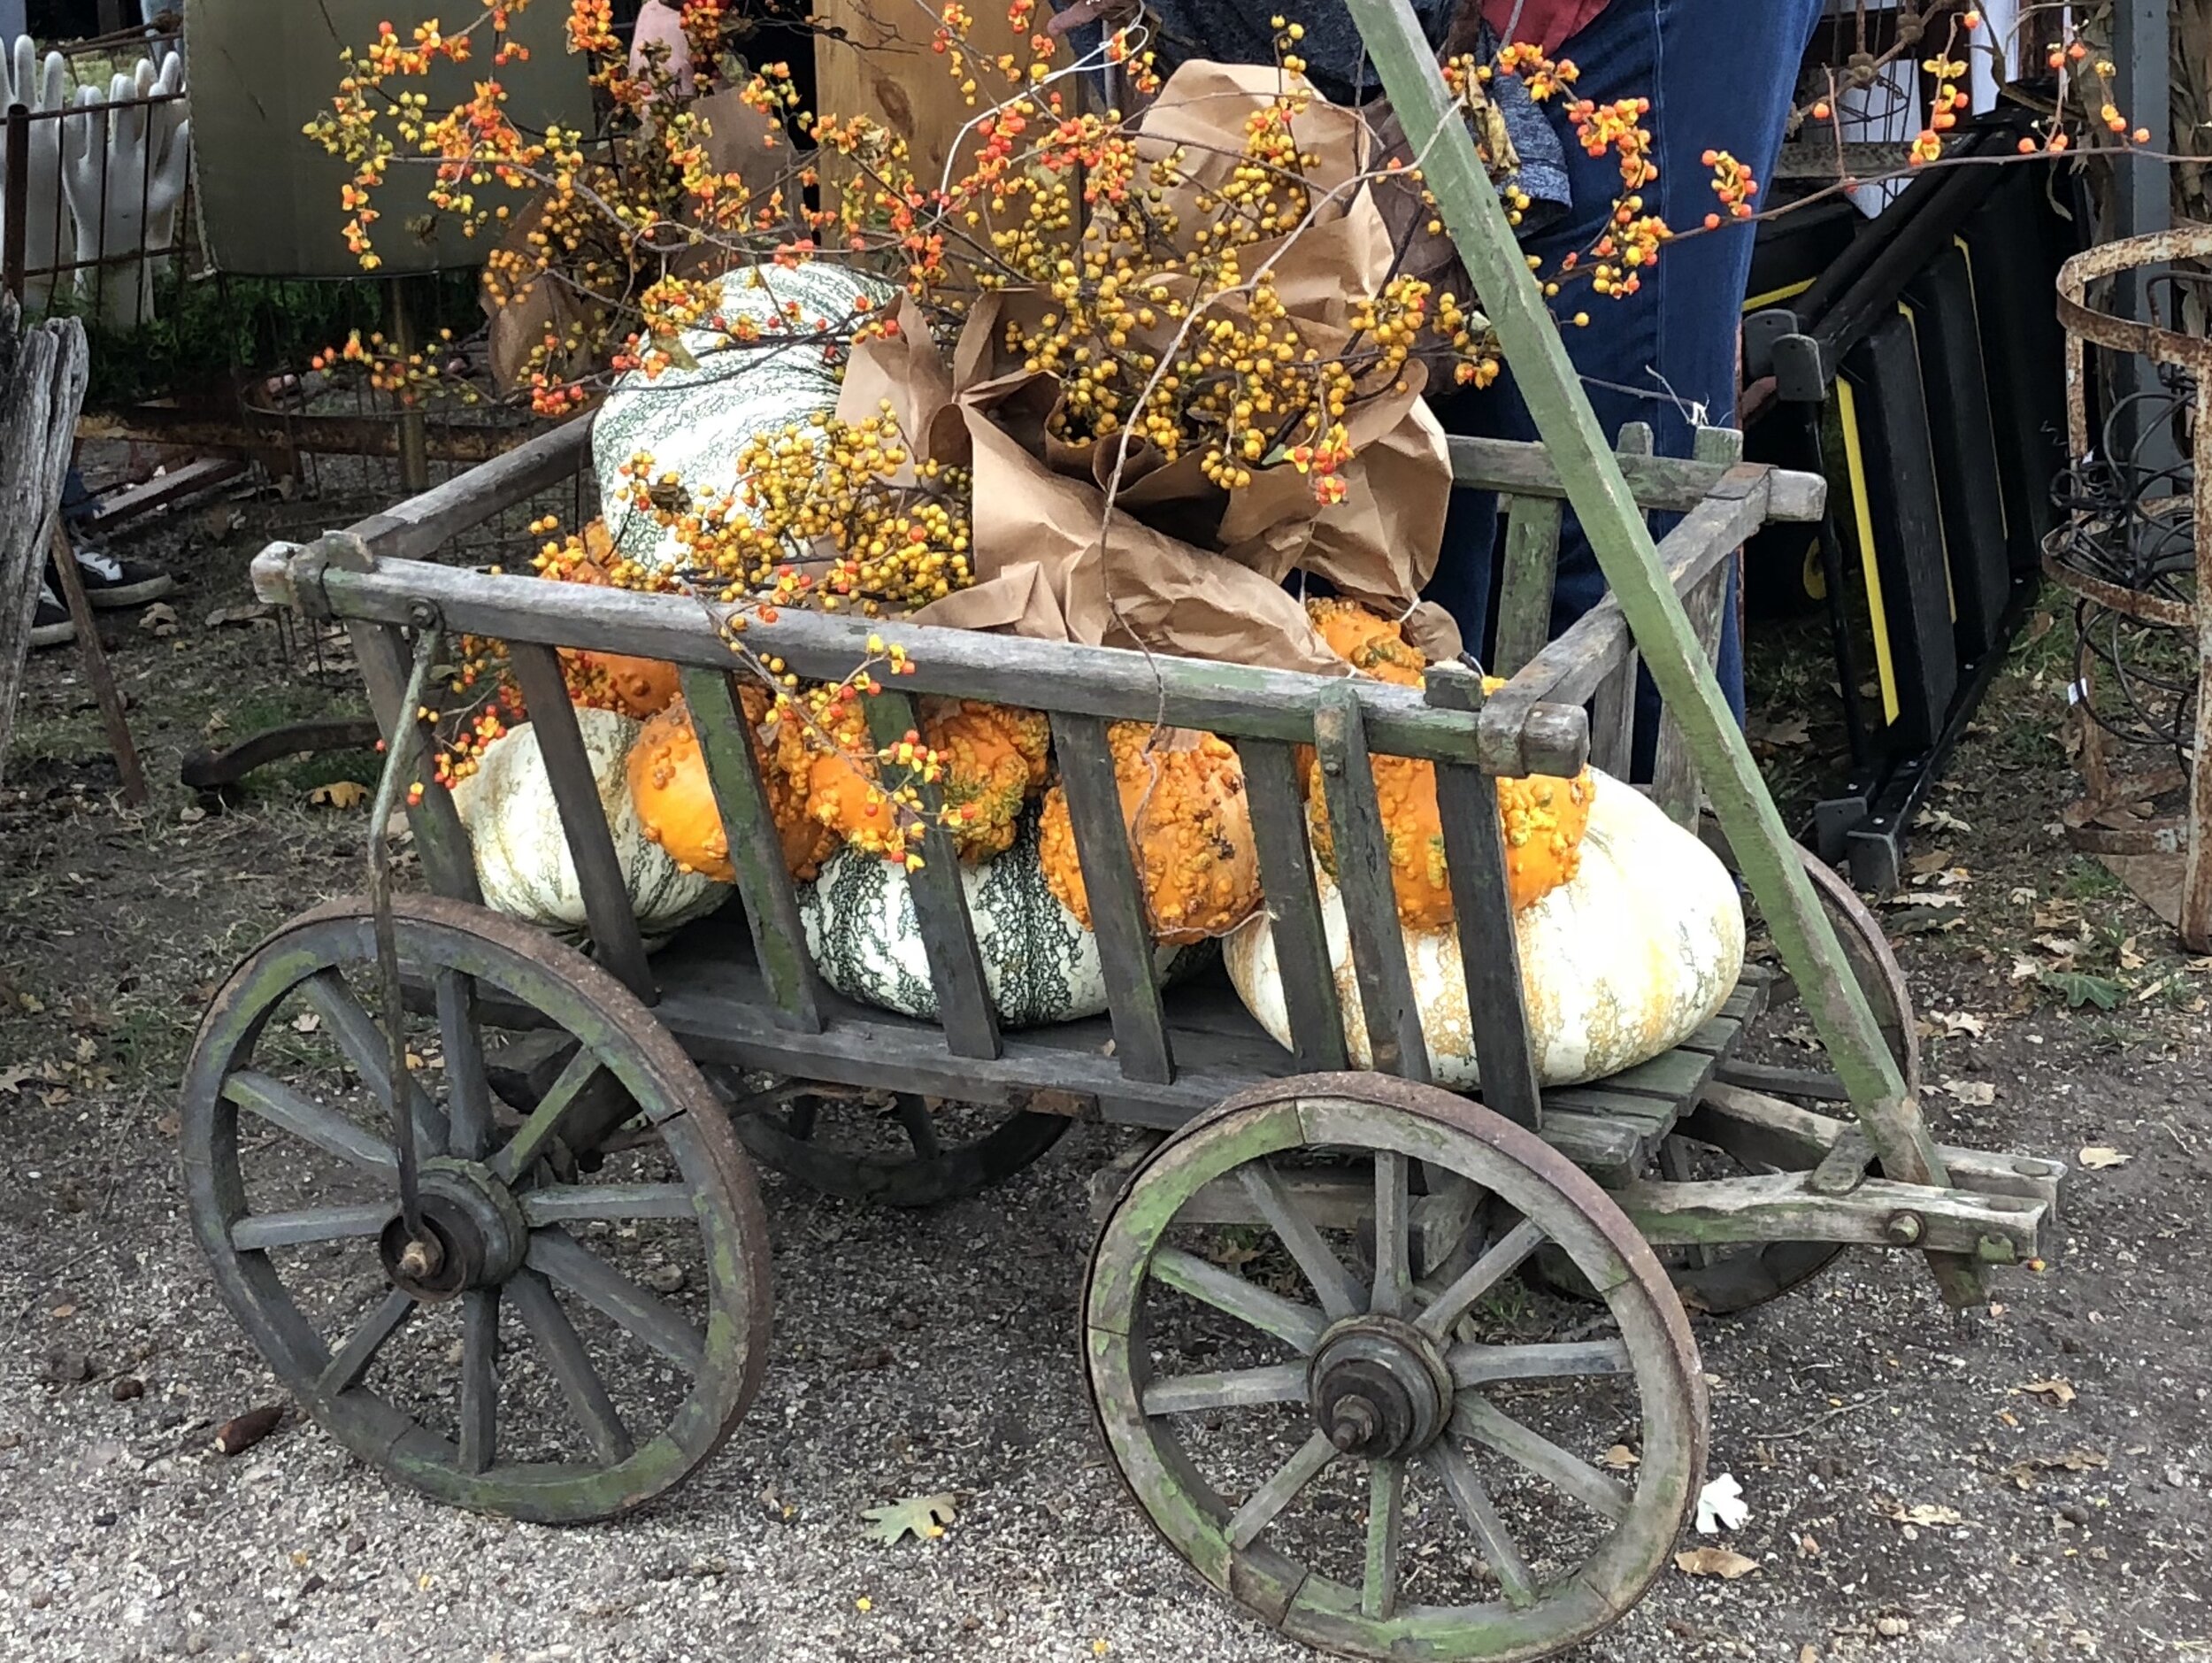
<point>1229,1389</point>
<point>1472,1497</point>
<point>1298,1325</point>
<point>258,1232</point>
<point>1338,1288</point>
<point>607,1290</point>
<point>1483,1365</point>
<point>565,1355</point>
<point>283,1106</point>
<point>1259,1512</point>
<point>564,1203</point>
<point>1394,1235</point>
<point>1385,1522</point>
<point>1499,1261</point>
<point>368,1051</point>
<point>544,1124</point>
<point>479,1378</point>
<point>1475,1417</point>
<point>921,1127</point>
<point>467,1081</point>
<point>351,1361</point>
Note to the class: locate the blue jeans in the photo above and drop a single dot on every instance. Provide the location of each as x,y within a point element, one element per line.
<point>1720,75</point>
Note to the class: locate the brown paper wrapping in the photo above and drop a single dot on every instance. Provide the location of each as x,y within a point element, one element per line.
<point>1181,567</point>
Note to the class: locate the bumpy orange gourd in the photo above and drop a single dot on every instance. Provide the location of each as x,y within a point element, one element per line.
<point>994,757</point>
<point>1543,817</point>
<point>676,808</point>
<point>1190,827</point>
<point>610,680</point>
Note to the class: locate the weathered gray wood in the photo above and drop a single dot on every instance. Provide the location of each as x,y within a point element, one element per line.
<point>1234,701</point>
<point>1232,1389</point>
<point>1478,1365</point>
<point>351,1361</point>
<point>1673,781</point>
<point>282,1105</point>
<point>1364,879</point>
<point>1498,1261</point>
<point>1783,1207</point>
<point>1843,1169</point>
<point>422,525</point>
<point>1467,201</point>
<point>43,372</point>
<point>441,842</point>
<point>1489,950</point>
<point>1259,1508</point>
<point>1337,1288</point>
<point>748,824</point>
<point>1119,917</point>
<point>1293,909</point>
<point>260,1231</point>
<point>567,1261</point>
<point>1287,1320</point>
<point>1474,1417</point>
<point>941,906</point>
<point>94,659</point>
<point>1470,1498</point>
<point>1573,667</point>
<point>616,940</point>
<point>1613,718</point>
<point>563,1350</point>
<point>1532,568</point>
<point>1659,484</point>
<point>569,1204</point>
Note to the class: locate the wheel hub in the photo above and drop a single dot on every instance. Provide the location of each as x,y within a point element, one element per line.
<point>473,1234</point>
<point>1379,1389</point>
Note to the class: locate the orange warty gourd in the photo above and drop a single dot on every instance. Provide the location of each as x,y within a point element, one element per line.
<point>1543,817</point>
<point>994,757</point>
<point>610,680</point>
<point>675,805</point>
<point>1190,827</point>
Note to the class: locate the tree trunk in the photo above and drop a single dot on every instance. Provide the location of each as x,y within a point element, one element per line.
<point>43,372</point>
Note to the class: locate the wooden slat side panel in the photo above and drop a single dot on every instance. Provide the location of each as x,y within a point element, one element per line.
<point>419,526</point>
<point>1118,915</point>
<point>1531,568</point>
<point>1613,719</point>
<point>1660,484</point>
<point>1489,951</point>
<point>449,860</point>
<point>955,968</point>
<point>1235,701</point>
<point>771,905</point>
<point>1293,911</point>
<point>1673,779</point>
<point>614,927</point>
<point>1364,879</point>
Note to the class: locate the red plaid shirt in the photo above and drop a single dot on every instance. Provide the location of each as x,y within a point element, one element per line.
<point>1544,23</point>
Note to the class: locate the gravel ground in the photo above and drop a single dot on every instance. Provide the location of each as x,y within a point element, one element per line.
<point>914,1354</point>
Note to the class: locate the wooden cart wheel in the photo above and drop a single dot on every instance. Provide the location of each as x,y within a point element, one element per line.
<point>578,1347</point>
<point>1379,1466</point>
<point>1727,1280</point>
<point>891,1148</point>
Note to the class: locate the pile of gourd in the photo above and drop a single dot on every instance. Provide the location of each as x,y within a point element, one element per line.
<point>1631,933</point>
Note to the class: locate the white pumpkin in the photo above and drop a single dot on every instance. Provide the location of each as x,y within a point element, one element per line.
<point>523,864</point>
<point>1622,963</point>
<point>695,421</point>
<point>1039,963</point>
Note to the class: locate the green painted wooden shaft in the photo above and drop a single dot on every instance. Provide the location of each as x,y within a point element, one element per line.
<point>1625,552</point>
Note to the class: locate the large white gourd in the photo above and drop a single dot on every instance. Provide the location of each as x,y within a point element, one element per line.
<point>1039,965</point>
<point>523,864</point>
<point>1625,961</point>
<point>694,422</point>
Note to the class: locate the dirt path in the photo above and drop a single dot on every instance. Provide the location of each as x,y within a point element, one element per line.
<point>2054,1445</point>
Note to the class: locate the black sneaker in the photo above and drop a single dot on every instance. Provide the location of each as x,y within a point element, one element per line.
<point>51,625</point>
<point>110,582</point>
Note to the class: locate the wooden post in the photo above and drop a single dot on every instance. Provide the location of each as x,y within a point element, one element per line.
<point>94,658</point>
<point>42,375</point>
<point>1664,633</point>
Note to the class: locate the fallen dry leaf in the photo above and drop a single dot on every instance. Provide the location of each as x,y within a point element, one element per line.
<point>339,794</point>
<point>922,1517</point>
<point>1927,1516</point>
<point>2130,958</point>
<point>1620,1457</point>
<point>1941,820</point>
<point>306,1022</point>
<point>1930,864</point>
<point>1956,1023</point>
<point>159,620</point>
<point>1978,1093</point>
<point>15,1077</point>
<point>1724,1563</point>
<point>2025,969</point>
<point>2100,1158</point>
<point>2058,1391</point>
<point>2038,627</point>
<point>2023,1473</point>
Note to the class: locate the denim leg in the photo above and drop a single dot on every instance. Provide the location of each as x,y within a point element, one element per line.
<point>1719,74</point>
